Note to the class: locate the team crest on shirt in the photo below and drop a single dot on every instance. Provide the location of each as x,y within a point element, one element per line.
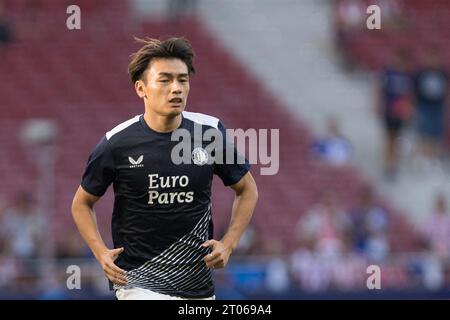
<point>136,163</point>
<point>199,156</point>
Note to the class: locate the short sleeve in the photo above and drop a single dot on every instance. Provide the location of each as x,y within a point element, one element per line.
<point>231,173</point>
<point>100,170</point>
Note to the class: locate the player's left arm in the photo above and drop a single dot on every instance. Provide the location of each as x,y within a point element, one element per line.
<point>243,206</point>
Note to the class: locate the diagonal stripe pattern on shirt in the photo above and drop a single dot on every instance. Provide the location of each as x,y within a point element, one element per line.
<point>180,268</point>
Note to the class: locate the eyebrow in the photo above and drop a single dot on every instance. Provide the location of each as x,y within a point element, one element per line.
<point>167,74</point>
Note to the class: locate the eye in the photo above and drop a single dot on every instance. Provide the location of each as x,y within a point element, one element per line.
<point>164,80</point>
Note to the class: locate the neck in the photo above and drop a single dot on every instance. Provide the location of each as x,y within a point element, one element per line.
<point>161,123</point>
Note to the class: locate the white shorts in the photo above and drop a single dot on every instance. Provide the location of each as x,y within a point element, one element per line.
<point>145,294</point>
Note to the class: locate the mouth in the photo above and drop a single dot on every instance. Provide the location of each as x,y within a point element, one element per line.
<point>176,100</point>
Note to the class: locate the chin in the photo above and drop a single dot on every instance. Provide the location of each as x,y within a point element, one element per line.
<point>174,112</point>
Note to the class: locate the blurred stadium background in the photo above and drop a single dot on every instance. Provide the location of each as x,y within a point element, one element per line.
<point>310,68</point>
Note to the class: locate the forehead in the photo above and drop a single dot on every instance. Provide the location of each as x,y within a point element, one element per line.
<point>167,65</point>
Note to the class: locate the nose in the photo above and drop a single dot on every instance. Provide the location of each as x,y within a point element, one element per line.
<point>176,87</point>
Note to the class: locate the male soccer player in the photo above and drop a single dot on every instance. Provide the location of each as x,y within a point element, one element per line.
<point>161,224</point>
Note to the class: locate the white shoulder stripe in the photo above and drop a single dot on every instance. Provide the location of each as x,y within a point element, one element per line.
<point>122,126</point>
<point>202,119</point>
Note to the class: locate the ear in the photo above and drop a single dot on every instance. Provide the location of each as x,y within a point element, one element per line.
<point>139,86</point>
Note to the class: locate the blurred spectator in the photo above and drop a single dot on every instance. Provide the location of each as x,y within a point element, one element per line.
<point>277,271</point>
<point>349,272</point>
<point>395,107</point>
<point>368,227</point>
<point>24,228</point>
<point>333,149</point>
<point>432,271</point>
<point>431,90</point>
<point>323,226</point>
<point>308,269</point>
<point>436,228</point>
<point>53,285</point>
<point>425,268</point>
<point>277,275</point>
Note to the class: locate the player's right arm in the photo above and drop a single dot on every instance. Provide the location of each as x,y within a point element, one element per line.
<point>84,216</point>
